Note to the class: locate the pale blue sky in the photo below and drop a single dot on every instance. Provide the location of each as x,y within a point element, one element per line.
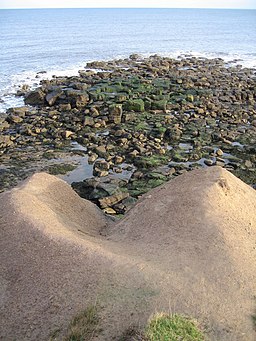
<point>128,3</point>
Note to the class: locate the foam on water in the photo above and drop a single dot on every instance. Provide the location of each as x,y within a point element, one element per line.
<point>11,85</point>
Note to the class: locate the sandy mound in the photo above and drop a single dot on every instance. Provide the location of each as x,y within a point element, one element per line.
<point>200,231</point>
<point>188,246</point>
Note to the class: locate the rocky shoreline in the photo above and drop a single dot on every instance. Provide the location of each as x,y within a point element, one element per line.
<point>134,123</point>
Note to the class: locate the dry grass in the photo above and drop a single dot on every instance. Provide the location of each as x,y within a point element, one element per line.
<point>83,326</point>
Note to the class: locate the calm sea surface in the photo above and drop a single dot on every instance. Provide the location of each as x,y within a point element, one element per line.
<point>61,41</point>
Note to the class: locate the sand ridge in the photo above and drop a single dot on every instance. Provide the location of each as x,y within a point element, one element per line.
<point>188,245</point>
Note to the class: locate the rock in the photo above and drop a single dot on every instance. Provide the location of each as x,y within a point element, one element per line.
<point>134,153</point>
<point>190,98</point>
<point>77,99</point>
<point>136,105</point>
<point>200,111</point>
<point>209,162</point>
<point>14,119</point>
<point>219,152</point>
<point>36,97</point>
<point>81,100</point>
<point>137,175</point>
<point>5,141</point>
<point>118,159</point>
<point>128,117</point>
<point>118,170</point>
<point>248,164</point>
<point>4,124</point>
<point>94,112</point>
<point>220,162</point>
<point>23,90</point>
<point>18,111</point>
<point>159,105</point>
<point>113,199</point>
<point>92,158</point>
<point>109,210</point>
<point>142,150</point>
<point>86,73</point>
<point>115,113</point>
<point>101,151</point>
<point>67,133</point>
<point>52,97</point>
<point>88,121</point>
<point>101,168</point>
<point>121,98</point>
<point>134,56</point>
<point>65,107</point>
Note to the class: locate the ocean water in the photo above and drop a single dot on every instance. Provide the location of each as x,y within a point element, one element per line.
<point>61,41</point>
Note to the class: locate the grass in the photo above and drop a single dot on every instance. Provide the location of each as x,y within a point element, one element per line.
<point>163,327</point>
<point>83,326</point>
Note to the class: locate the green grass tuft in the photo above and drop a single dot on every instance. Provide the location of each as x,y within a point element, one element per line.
<point>163,327</point>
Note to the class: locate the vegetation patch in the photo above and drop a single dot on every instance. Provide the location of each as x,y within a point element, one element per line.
<point>141,186</point>
<point>83,326</point>
<point>61,168</point>
<point>163,327</point>
<point>146,162</point>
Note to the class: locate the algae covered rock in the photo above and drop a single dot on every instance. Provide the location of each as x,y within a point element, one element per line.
<point>159,105</point>
<point>134,105</point>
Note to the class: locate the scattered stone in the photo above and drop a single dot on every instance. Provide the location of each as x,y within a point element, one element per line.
<point>88,121</point>
<point>112,200</point>
<point>67,133</point>
<point>52,97</point>
<point>65,107</point>
<point>209,162</point>
<point>109,210</point>
<point>92,158</point>
<point>101,151</point>
<point>101,168</point>
<point>5,141</point>
<point>219,152</point>
<point>35,97</point>
<point>141,110</point>
<point>115,113</point>
<point>248,164</point>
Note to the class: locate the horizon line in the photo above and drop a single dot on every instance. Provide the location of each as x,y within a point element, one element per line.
<point>209,8</point>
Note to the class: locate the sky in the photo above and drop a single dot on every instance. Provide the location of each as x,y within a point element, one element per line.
<point>246,4</point>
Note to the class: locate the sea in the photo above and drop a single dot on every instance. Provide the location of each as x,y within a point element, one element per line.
<point>36,44</point>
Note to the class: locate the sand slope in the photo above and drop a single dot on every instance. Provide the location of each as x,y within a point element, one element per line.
<point>188,246</point>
